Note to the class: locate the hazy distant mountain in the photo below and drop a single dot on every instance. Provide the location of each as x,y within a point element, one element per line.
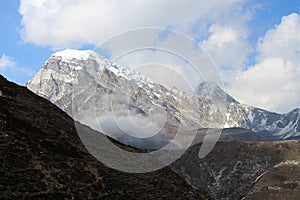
<point>103,82</point>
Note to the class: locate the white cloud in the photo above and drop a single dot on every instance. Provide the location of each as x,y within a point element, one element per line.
<point>283,40</point>
<point>68,23</point>
<point>224,46</point>
<point>11,70</point>
<point>6,62</point>
<point>273,83</point>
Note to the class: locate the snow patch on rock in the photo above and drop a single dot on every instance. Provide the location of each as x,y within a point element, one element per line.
<point>70,54</point>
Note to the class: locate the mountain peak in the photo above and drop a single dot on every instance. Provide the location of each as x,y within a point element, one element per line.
<point>214,90</point>
<point>70,54</point>
<point>57,79</point>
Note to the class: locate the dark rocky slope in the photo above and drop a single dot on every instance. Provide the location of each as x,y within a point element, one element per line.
<point>254,170</point>
<point>42,158</point>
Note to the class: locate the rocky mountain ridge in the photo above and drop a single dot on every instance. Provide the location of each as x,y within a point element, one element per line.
<point>112,89</point>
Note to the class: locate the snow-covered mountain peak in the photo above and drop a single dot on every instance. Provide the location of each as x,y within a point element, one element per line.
<point>61,73</point>
<point>70,54</point>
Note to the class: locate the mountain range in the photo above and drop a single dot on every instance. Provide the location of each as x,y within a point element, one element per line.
<point>83,82</point>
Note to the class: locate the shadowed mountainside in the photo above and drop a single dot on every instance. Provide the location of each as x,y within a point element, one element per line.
<point>43,157</point>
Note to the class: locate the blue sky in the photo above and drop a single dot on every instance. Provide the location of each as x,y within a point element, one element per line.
<point>26,57</point>
<point>268,15</point>
<point>26,45</point>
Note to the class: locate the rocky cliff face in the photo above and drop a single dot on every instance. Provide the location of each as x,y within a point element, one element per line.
<point>100,86</point>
